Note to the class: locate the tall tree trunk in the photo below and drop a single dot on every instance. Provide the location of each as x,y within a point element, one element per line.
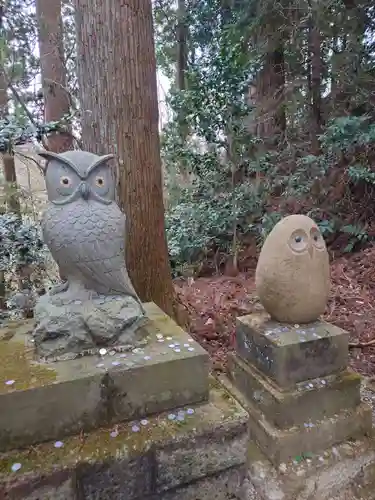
<point>3,114</point>
<point>270,92</point>
<point>10,176</point>
<point>116,58</point>
<point>315,78</point>
<point>51,48</point>
<point>3,93</point>
<point>7,157</point>
<point>181,68</point>
<point>181,45</point>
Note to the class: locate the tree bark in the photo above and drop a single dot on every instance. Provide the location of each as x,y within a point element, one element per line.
<point>181,45</point>
<point>315,79</point>
<point>51,48</point>
<point>3,93</point>
<point>3,114</point>
<point>13,200</point>
<point>7,157</point>
<point>116,58</point>
<point>270,92</point>
<point>181,68</point>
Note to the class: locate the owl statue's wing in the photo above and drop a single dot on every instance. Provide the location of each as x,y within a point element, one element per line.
<point>96,249</point>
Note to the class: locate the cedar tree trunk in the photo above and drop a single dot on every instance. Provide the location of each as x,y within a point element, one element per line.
<point>51,48</point>
<point>118,92</point>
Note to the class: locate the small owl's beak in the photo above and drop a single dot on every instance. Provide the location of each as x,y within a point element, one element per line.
<point>84,190</point>
<point>311,250</point>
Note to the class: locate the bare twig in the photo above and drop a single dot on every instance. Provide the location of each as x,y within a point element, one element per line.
<point>26,157</point>
<point>361,345</point>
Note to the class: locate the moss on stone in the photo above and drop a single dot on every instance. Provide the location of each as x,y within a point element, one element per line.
<point>16,363</point>
<point>99,446</point>
<point>226,396</point>
<point>349,375</point>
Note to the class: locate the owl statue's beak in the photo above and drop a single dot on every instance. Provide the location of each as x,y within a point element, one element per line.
<point>311,250</point>
<point>84,190</point>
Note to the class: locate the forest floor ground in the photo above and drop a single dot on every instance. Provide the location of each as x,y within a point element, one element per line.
<point>213,303</point>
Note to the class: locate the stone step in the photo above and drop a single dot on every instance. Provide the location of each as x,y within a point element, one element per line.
<point>40,402</point>
<point>159,457</point>
<point>344,472</point>
<point>306,403</point>
<point>291,353</point>
<point>283,445</point>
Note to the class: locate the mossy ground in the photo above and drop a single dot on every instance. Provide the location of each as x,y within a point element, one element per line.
<point>99,446</point>
<point>16,361</point>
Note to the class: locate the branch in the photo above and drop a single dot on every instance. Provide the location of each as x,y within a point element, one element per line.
<point>361,345</point>
<point>21,102</point>
<point>23,105</point>
<point>31,159</point>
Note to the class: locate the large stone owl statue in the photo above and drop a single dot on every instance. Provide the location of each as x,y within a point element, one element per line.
<point>292,275</point>
<point>83,227</point>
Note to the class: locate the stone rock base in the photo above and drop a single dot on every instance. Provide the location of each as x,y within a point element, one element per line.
<point>303,438</point>
<point>64,330</point>
<point>188,453</point>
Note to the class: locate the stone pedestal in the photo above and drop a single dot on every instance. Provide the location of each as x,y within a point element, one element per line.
<point>291,353</point>
<point>40,402</point>
<point>143,424</point>
<point>196,451</point>
<point>301,398</point>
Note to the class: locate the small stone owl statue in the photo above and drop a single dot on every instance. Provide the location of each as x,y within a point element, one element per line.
<point>292,276</point>
<point>83,227</point>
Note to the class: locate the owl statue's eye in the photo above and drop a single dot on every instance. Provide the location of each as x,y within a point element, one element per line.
<point>298,241</point>
<point>99,181</point>
<point>317,238</point>
<point>65,181</point>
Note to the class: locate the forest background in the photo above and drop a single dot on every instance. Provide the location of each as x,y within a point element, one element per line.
<point>269,110</point>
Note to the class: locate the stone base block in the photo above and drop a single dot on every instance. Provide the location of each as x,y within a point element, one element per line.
<point>286,444</point>
<point>226,485</point>
<point>291,353</point>
<point>344,472</point>
<point>306,403</point>
<point>40,402</point>
<point>150,458</point>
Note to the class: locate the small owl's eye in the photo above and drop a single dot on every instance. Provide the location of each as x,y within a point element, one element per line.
<point>65,181</point>
<point>99,181</point>
<point>298,241</point>
<point>318,241</point>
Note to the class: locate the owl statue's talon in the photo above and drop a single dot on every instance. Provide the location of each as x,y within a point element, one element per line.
<point>84,230</point>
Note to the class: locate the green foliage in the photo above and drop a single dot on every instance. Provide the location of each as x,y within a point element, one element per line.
<point>202,221</point>
<point>21,243</point>
<point>214,205</point>
<point>222,174</point>
<point>351,139</point>
<point>327,227</point>
<point>358,236</point>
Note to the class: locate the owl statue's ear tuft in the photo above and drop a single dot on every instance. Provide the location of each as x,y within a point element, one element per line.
<point>100,161</point>
<point>47,155</point>
<point>106,158</point>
